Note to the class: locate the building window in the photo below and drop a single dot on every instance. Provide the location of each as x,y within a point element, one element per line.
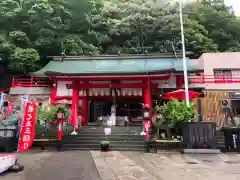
<point>222,76</point>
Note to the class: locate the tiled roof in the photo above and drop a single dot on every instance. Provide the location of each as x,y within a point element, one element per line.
<point>128,65</point>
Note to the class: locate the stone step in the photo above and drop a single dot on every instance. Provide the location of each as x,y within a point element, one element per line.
<point>96,145</point>
<point>98,149</point>
<point>112,137</point>
<point>119,131</point>
<point>122,142</point>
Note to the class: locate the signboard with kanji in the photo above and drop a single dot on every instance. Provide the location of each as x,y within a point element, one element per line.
<point>28,129</point>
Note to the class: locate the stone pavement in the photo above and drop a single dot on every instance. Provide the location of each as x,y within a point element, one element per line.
<point>95,165</point>
<point>115,166</point>
<point>74,165</point>
<point>172,166</point>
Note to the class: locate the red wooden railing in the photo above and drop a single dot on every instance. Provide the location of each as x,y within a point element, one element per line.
<point>193,79</point>
<point>213,79</point>
<point>5,90</point>
<point>30,82</point>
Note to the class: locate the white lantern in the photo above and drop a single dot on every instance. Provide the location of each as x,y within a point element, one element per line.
<point>135,92</point>
<point>84,93</point>
<point>95,92</point>
<point>129,92</point>
<point>81,92</point>
<point>90,92</point>
<point>102,93</point>
<point>123,92</point>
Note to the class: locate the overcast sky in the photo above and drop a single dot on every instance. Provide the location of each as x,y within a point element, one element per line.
<point>235,4</point>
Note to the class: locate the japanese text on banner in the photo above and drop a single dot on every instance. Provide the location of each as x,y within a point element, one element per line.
<point>27,135</point>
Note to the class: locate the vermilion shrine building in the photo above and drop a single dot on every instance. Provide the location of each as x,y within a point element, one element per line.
<point>130,80</point>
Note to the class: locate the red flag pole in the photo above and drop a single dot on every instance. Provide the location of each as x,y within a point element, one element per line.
<point>59,133</point>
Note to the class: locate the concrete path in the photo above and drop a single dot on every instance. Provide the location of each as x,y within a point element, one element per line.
<point>77,165</point>
<point>115,166</point>
<point>95,165</point>
<point>165,166</point>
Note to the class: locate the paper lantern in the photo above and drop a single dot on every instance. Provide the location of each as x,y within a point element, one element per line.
<point>95,92</point>
<point>123,92</point>
<point>135,92</point>
<point>102,93</point>
<point>118,92</point>
<point>84,93</point>
<point>90,92</point>
<point>129,92</point>
<point>81,92</point>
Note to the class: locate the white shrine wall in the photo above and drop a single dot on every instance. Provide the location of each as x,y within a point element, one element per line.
<point>62,89</point>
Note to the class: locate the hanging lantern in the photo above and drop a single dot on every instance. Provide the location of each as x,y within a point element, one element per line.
<point>135,92</point>
<point>140,92</point>
<point>81,92</point>
<point>166,83</point>
<point>85,93</point>
<point>146,113</point>
<point>123,92</point>
<point>95,92</point>
<point>102,93</point>
<point>107,92</point>
<point>90,92</point>
<point>113,92</point>
<point>129,92</point>
<point>60,114</point>
<point>118,92</point>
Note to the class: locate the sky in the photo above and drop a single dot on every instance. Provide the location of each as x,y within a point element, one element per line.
<point>235,4</point>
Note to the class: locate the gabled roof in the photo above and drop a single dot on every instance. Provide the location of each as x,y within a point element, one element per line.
<point>74,65</point>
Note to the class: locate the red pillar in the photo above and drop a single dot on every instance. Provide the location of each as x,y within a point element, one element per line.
<point>179,81</point>
<point>75,103</point>
<point>84,111</point>
<point>147,103</point>
<point>53,92</point>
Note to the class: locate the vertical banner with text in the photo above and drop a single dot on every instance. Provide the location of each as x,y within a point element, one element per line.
<point>28,128</point>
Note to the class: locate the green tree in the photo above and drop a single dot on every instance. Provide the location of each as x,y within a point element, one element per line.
<point>31,30</point>
<point>137,26</point>
<point>222,25</point>
<point>23,60</point>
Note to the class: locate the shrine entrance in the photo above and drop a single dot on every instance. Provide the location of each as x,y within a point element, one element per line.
<point>100,110</point>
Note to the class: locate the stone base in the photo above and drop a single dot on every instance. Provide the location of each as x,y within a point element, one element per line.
<point>201,151</point>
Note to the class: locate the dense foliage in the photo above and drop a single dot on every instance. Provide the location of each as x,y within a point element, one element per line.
<point>174,113</point>
<point>31,30</point>
<point>47,113</point>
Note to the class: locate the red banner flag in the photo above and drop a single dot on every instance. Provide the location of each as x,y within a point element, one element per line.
<point>28,128</point>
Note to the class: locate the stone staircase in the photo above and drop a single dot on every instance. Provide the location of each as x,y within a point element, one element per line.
<point>220,140</point>
<point>121,139</point>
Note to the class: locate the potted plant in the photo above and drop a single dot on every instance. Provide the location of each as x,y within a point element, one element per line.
<point>105,145</point>
<point>171,115</point>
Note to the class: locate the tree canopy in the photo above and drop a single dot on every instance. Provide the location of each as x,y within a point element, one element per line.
<point>31,30</point>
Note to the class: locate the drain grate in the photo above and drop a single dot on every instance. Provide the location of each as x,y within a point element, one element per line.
<point>205,160</point>
<point>191,162</point>
<point>231,162</point>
